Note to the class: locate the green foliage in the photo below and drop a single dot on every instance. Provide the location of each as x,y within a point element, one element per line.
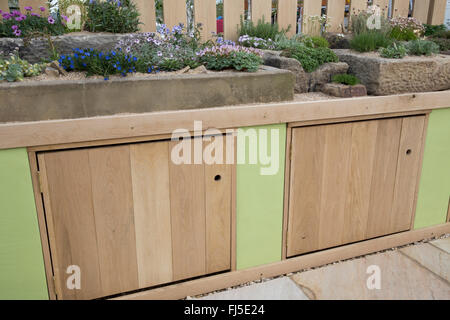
<point>263,30</point>
<point>310,58</point>
<point>444,34</point>
<point>347,79</point>
<point>431,30</point>
<point>422,47</point>
<point>112,16</point>
<point>316,42</point>
<point>394,51</point>
<point>241,60</point>
<point>400,34</point>
<point>444,44</point>
<point>15,69</point>
<point>370,41</point>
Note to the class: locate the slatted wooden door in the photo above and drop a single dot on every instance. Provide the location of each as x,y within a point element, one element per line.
<point>352,181</point>
<point>131,219</point>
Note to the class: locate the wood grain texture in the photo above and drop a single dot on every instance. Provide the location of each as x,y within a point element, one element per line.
<point>71,221</point>
<point>148,15</point>
<point>311,8</point>
<point>336,11</point>
<point>4,6</point>
<point>421,10</point>
<point>112,199</point>
<point>150,176</point>
<point>205,13</point>
<point>357,6</point>
<point>400,8</point>
<point>437,12</point>
<point>174,12</point>
<point>261,10</point>
<point>384,6</point>
<point>287,16</point>
<point>232,11</point>
<point>187,208</point>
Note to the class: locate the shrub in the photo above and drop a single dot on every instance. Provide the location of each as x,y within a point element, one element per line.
<point>394,51</point>
<point>117,16</point>
<point>316,42</point>
<point>15,69</point>
<point>227,56</point>
<point>431,30</point>
<point>444,44</point>
<point>422,47</point>
<point>344,78</point>
<point>369,41</point>
<point>263,30</point>
<point>310,58</point>
<point>16,24</point>
<point>406,29</point>
<point>444,34</point>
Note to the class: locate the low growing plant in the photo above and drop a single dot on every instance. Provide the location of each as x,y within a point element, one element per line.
<point>431,30</point>
<point>370,41</point>
<point>345,78</point>
<point>228,56</point>
<point>315,42</point>
<point>444,44</point>
<point>263,30</point>
<point>422,47</point>
<point>406,29</point>
<point>116,16</point>
<point>310,58</point>
<point>15,69</point>
<point>255,42</point>
<point>394,51</point>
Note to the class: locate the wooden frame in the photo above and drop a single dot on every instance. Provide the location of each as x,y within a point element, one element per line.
<point>222,281</point>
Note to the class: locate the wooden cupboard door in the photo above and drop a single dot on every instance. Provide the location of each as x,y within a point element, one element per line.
<point>352,181</point>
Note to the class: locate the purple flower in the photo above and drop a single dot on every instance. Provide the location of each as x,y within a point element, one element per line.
<point>6,16</point>
<point>65,17</point>
<point>35,14</point>
<point>51,20</point>
<point>42,9</point>
<point>28,8</point>
<point>17,33</point>
<point>16,13</point>
<point>14,27</point>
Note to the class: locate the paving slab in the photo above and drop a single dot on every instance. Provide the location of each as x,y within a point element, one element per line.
<point>277,289</point>
<point>400,278</point>
<point>443,244</point>
<point>433,258</point>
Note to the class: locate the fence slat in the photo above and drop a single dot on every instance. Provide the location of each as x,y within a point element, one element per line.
<point>4,5</point>
<point>357,6</point>
<point>384,6</point>
<point>205,13</point>
<point>335,13</point>
<point>174,12</point>
<point>311,8</point>
<point>232,11</point>
<point>421,9</point>
<point>287,16</point>
<point>148,16</point>
<point>400,8</point>
<point>32,3</point>
<point>260,9</point>
<point>437,12</point>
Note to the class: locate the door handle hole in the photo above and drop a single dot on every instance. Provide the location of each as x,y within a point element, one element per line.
<point>217,177</point>
<point>408,152</point>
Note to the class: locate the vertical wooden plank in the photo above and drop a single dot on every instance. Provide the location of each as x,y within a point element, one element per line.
<point>205,13</point>
<point>70,219</point>
<point>187,209</point>
<point>174,12</point>
<point>232,11</point>
<point>335,12</point>
<point>311,8</point>
<point>287,16</point>
<point>357,200</point>
<point>308,147</point>
<point>113,210</point>
<point>407,172</point>
<point>261,10</point>
<point>4,6</point>
<point>421,9</point>
<point>218,187</point>
<point>148,15</point>
<point>400,8</point>
<point>437,12</point>
<point>338,143</point>
<point>150,178</point>
<point>357,6</point>
<point>384,6</point>
<point>32,3</point>
<point>383,177</point>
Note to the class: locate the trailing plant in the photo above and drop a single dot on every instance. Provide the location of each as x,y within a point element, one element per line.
<point>263,30</point>
<point>228,56</point>
<point>310,58</point>
<point>394,51</point>
<point>345,78</point>
<point>431,30</point>
<point>17,24</point>
<point>369,41</point>
<point>15,69</point>
<point>406,29</point>
<point>422,47</point>
<point>256,42</point>
<point>116,16</point>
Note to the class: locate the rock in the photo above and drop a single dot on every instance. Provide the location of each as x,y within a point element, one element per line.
<point>383,76</point>
<point>343,91</point>
<point>199,70</point>
<point>52,72</point>
<point>184,70</point>
<point>55,65</point>
<point>324,74</point>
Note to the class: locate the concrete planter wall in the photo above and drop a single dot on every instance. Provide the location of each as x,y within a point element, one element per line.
<point>393,76</point>
<point>69,99</point>
<point>304,81</point>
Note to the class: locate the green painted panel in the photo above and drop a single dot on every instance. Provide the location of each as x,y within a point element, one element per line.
<point>22,274</point>
<point>434,190</point>
<point>259,200</point>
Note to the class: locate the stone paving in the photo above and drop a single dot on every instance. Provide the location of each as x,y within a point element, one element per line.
<point>418,272</point>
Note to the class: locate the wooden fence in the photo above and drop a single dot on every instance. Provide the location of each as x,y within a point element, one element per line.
<point>288,12</point>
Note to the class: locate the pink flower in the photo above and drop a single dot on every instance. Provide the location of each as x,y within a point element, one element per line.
<point>51,20</point>
<point>14,27</point>
<point>17,33</point>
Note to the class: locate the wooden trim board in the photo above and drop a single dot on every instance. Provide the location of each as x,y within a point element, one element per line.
<point>222,281</point>
<point>45,133</point>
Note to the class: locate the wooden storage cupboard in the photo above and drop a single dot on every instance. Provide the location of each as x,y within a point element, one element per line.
<point>352,181</point>
<point>131,219</point>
